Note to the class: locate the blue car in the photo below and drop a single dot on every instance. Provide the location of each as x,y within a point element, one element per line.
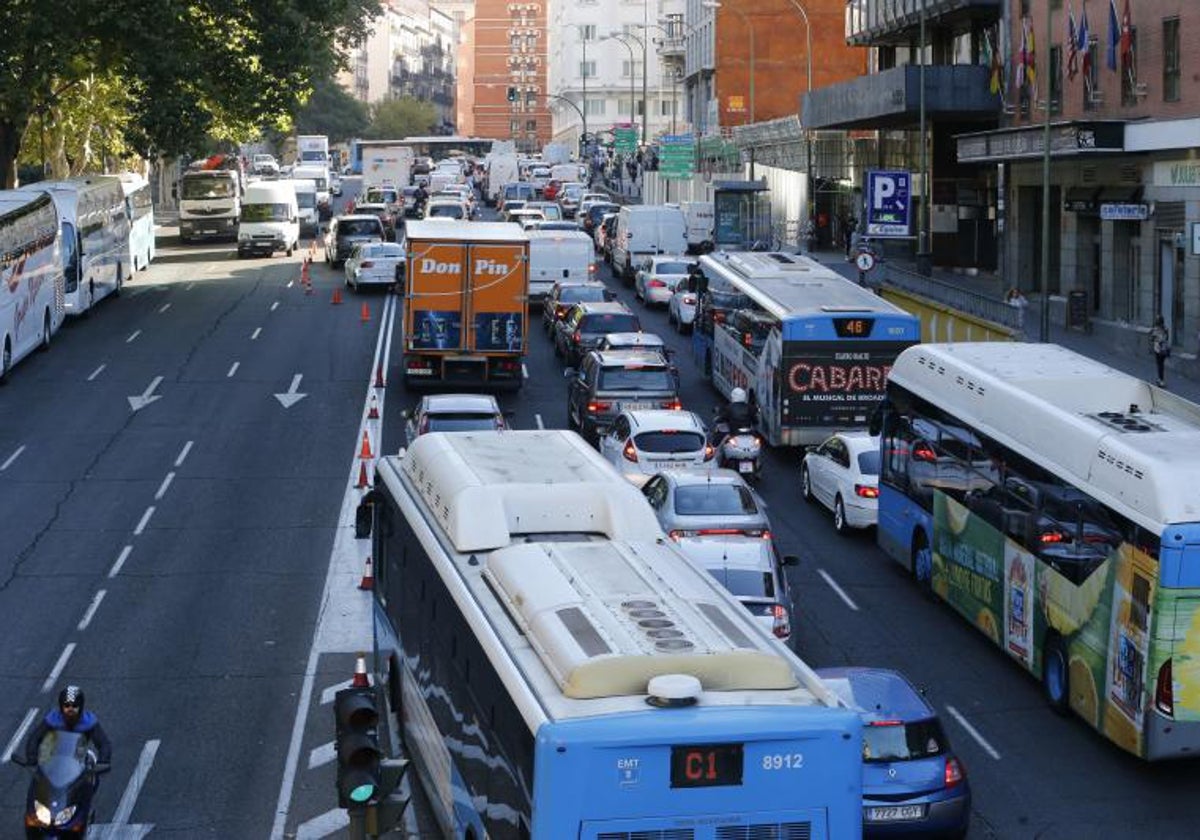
<point>912,782</point>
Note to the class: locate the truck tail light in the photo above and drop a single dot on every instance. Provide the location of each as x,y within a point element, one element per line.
<point>1164,691</point>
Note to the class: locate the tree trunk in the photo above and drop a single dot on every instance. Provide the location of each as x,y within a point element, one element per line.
<point>10,144</point>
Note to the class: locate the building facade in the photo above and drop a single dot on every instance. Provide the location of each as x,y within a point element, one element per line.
<point>510,73</point>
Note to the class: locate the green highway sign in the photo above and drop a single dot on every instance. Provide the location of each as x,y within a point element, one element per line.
<point>677,156</point>
<point>626,138</point>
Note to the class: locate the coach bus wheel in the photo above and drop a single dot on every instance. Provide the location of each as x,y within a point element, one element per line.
<point>922,563</point>
<point>5,361</point>
<point>1056,675</point>
<point>45,342</point>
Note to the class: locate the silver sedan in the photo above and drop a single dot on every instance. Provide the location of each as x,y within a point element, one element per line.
<point>375,264</point>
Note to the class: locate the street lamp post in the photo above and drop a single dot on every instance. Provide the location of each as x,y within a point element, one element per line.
<point>924,264</point>
<point>583,111</point>
<point>641,43</point>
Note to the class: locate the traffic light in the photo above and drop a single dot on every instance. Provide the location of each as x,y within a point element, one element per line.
<point>366,781</point>
<point>512,94</point>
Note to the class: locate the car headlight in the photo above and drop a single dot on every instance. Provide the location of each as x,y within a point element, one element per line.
<point>42,813</point>
<point>65,815</point>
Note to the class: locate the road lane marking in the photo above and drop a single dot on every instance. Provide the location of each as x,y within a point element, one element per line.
<point>331,822</point>
<point>289,284</point>
<point>973,732</point>
<point>329,694</point>
<point>57,670</point>
<point>322,755</point>
<point>162,488</point>
<point>183,453</point>
<point>141,526</point>
<point>841,593</point>
<point>524,371</point>
<point>148,396</point>
<point>8,461</point>
<point>189,286</point>
<point>124,555</point>
<point>274,306</point>
<point>18,736</point>
<point>232,370</point>
<point>135,334</point>
<point>91,611</point>
<point>164,308</point>
<point>95,373</point>
<point>537,418</point>
<point>254,335</point>
<point>134,789</point>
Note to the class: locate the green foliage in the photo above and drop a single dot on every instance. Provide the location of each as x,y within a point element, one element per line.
<point>333,112</point>
<point>403,117</point>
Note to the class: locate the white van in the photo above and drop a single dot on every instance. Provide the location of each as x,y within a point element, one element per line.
<point>644,230</point>
<point>501,170</point>
<point>306,199</point>
<point>270,219</point>
<point>700,220</point>
<point>558,255</point>
<point>320,176</point>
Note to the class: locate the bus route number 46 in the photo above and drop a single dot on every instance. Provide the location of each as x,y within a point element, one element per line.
<point>783,761</point>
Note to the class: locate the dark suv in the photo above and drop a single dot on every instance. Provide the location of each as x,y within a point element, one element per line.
<point>586,324</point>
<point>608,383</point>
<point>347,231</point>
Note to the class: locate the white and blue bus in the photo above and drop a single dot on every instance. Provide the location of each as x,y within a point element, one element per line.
<point>811,348</point>
<point>95,237</point>
<point>559,670</point>
<point>139,207</point>
<point>31,276</point>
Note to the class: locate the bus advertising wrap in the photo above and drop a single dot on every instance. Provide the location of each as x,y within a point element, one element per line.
<point>835,383</point>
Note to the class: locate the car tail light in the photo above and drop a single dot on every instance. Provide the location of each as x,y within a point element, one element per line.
<point>1164,691</point>
<point>673,405</point>
<point>888,722</point>
<point>598,406</point>
<point>954,772</point>
<point>709,452</point>
<point>577,336</point>
<point>630,452</point>
<point>366,264</point>
<point>782,628</point>
<point>656,284</point>
<point>591,268</point>
<point>689,299</point>
<point>866,491</point>
<point>1052,537</point>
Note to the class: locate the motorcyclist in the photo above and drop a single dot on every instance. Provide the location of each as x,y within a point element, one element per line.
<point>70,716</point>
<point>735,414</point>
<point>420,197</point>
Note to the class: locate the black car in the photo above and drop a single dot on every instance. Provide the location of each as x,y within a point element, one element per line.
<point>347,231</point>
<point>594,214</point>
<point>586,325</point>
<point>613,381</point>
<point>564,294</point>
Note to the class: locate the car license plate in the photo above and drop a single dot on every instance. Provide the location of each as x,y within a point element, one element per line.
<point>745,467</point>
<point>209,232</point>
<point>635,406</point>
<point>894,813</point>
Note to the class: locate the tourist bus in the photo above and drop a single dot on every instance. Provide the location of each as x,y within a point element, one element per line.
<point>139,207</point>
<point>560,670</point>
<point>94,235</point>
<point>31,277</point>
<point>811,348</point>
<point>1050,500</point>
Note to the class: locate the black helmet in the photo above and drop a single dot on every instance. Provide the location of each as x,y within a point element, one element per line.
<point>71,695</point>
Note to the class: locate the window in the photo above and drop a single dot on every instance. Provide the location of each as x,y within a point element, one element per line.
<point>633,68</point>
<point>1171,60</point>
<point>595,107</point>
<point>531,125</point>
<point>587,32</point>
<point>1128,70</point>
<point>1056,81</point>
<point>666,108</point>
<point>587,69</point>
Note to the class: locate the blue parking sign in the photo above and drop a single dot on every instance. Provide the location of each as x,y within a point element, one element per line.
<point>889,194</point>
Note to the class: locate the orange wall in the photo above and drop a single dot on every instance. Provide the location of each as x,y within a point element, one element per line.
<point>780,63</point>
<point>491,109</point>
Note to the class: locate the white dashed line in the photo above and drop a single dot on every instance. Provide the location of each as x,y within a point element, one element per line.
<point>135,334</point>
<point>973,732</point>
<point>189,287</point>
<point>537,418</point>
<point>91,611</point>
<point>162,488</point>
<point>841,593</point>
<point>141,526</point>
<point>57,670</point>
<point>163,308</point>
<point>96,373</point>
<point>232,370</point>
<point>9,460</point>
<point>254,335</point>
<point>524,371</point>
<point>290,283</point>
<point>18,736</point>
<point>116,567</point>
<point>183,453</point>
<point>274,306</point>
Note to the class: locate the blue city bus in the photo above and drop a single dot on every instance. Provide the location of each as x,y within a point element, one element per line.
<point>811,348</point>
<point>559,670</point>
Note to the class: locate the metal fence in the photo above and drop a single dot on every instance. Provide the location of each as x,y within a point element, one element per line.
<point>954,296</point>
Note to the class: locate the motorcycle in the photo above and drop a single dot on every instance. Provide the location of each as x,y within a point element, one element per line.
<point>59,802</point>
<point>740,450</point>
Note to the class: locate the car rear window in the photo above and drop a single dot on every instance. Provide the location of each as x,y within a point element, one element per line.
<point>463,422</point>
<point>719,499</point>
<point>903,741</point>
<point>746,582</point>
<point>868,462</point>
<point>380,197</point>
<point>359,227</point>
<point>669,441</point>
<point>610,322</point>
<point>671,268</point>
<point>451,210</point>
<point>636,378</point>
<point>581,294</point>
<point>383,250</point>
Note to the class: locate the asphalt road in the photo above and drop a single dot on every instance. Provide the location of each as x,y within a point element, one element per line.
<point>214,521</point>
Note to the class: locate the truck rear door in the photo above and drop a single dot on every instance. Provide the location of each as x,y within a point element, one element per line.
<point>499,279</point>
<point>435,296</point>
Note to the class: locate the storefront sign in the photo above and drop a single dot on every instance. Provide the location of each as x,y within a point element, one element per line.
<point>1015,144</point>
<point>888,199</point>
<point>1177,173</point>
<point>1125,212</point>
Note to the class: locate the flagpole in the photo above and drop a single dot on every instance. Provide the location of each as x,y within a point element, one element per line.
<point>1044,331</point>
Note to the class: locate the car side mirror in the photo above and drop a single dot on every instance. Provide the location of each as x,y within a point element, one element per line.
<point>791,560</point>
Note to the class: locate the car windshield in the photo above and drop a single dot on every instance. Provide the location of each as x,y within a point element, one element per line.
<point>611,322</point>
<point>746,582</point>
<point>903,742</point>
<point>459,422</point>
<point>716,499</point>
<point>636,378</point>
<point>265,213</point>
<point>195,188</point>
<point>581,294</point>
<point>671,268</point>
<point>306,199</point>
<point>669,441</point>
<point>358,227</point>
<point>378,196</point>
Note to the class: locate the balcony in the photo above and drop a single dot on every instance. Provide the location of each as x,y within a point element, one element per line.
<point>671,48</point>
<point>873,23</point>
<point>891,99</point>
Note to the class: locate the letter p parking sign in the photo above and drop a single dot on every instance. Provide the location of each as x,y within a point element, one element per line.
<point>889,194</point>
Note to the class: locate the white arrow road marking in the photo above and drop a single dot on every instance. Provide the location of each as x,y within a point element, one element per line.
<point>328,823</point>
<point>330,693</point>
<point>119,828</point>
<point>18,736</point>
<point>291,397</point>
<point>322,755</point>
<point>148,396</point>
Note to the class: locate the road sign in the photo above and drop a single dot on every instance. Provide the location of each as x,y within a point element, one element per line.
<point>677,156</point>
<point>888,198</point>
<point>626,138</point>
<point>865,261</point>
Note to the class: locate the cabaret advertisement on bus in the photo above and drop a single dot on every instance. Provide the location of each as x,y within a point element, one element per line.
<point>834,384</point>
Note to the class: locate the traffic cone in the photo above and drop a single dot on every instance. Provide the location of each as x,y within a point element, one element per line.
<point>337,295</point>
<point>366,314</point>
<point>379,375</point>
<point>363,482</point>
<point>368,579</point>
<point>373,411</point>
<point>361,680</point>
<point>365,452</point>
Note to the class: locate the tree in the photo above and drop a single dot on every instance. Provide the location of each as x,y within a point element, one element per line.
<point>333,112</point>
<point>392,119</point>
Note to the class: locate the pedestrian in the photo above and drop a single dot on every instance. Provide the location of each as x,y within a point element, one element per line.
<point>1160,346</point>
<point>1018,301</point>
<point>848,231</point>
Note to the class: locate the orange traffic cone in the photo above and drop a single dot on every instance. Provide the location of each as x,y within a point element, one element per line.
<point>365,452</point>
<point>337,295</point>
<point>368,579</point>
<point>366,313</point>
<point>363,481</point>
<point>361,680</point>
<point>379,375</point>
<point>373,411</point>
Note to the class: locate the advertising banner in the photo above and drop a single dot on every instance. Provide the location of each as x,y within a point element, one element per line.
<point>889,198</point>
<point>435,296</point>
<point>834,384</point>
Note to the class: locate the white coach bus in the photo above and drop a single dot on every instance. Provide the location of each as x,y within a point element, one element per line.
<point>31,276</point>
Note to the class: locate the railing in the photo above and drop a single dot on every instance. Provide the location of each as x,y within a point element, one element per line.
<point>953,296</point>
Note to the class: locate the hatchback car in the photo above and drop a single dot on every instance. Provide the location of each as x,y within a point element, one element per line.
<point>647,441</point>
<point>550,210</point>
<point>347,231</point>
<point>654,283</point>
<point>608,383</point>
<point>843,474</point>
<point>586,325</point>
<point>751,569</point>
<point>681,311</point>
<point>912,782</point>
<point>595,213</point>
<point>696,504</point>
<point>447,207</point>
<point>375,264</point>
<point>564,294</point>
<point>383,202</point>
<point>453,413</point>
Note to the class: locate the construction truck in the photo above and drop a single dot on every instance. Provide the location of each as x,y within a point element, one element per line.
<point>466,288</point>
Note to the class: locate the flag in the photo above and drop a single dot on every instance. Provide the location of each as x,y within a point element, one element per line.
<point>1072,44</point>
<point>996,65</point>
<point>1031,59</point>
<point>1126,48</point>
<point>1085,42</point>
<point>1114,35</point>
<point>1019,63</point>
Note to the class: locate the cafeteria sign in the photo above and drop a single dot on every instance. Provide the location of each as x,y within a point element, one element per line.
<point>888,198</point>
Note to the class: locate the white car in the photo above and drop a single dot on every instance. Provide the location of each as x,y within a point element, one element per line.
<point>654,284</point>
<point>374,264</point>
<point>681,311</point>
<point>843,474</point>
<point>448,207</point>
<point>453,413</point>
<point>646,441</point>
<point>589,198</point>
